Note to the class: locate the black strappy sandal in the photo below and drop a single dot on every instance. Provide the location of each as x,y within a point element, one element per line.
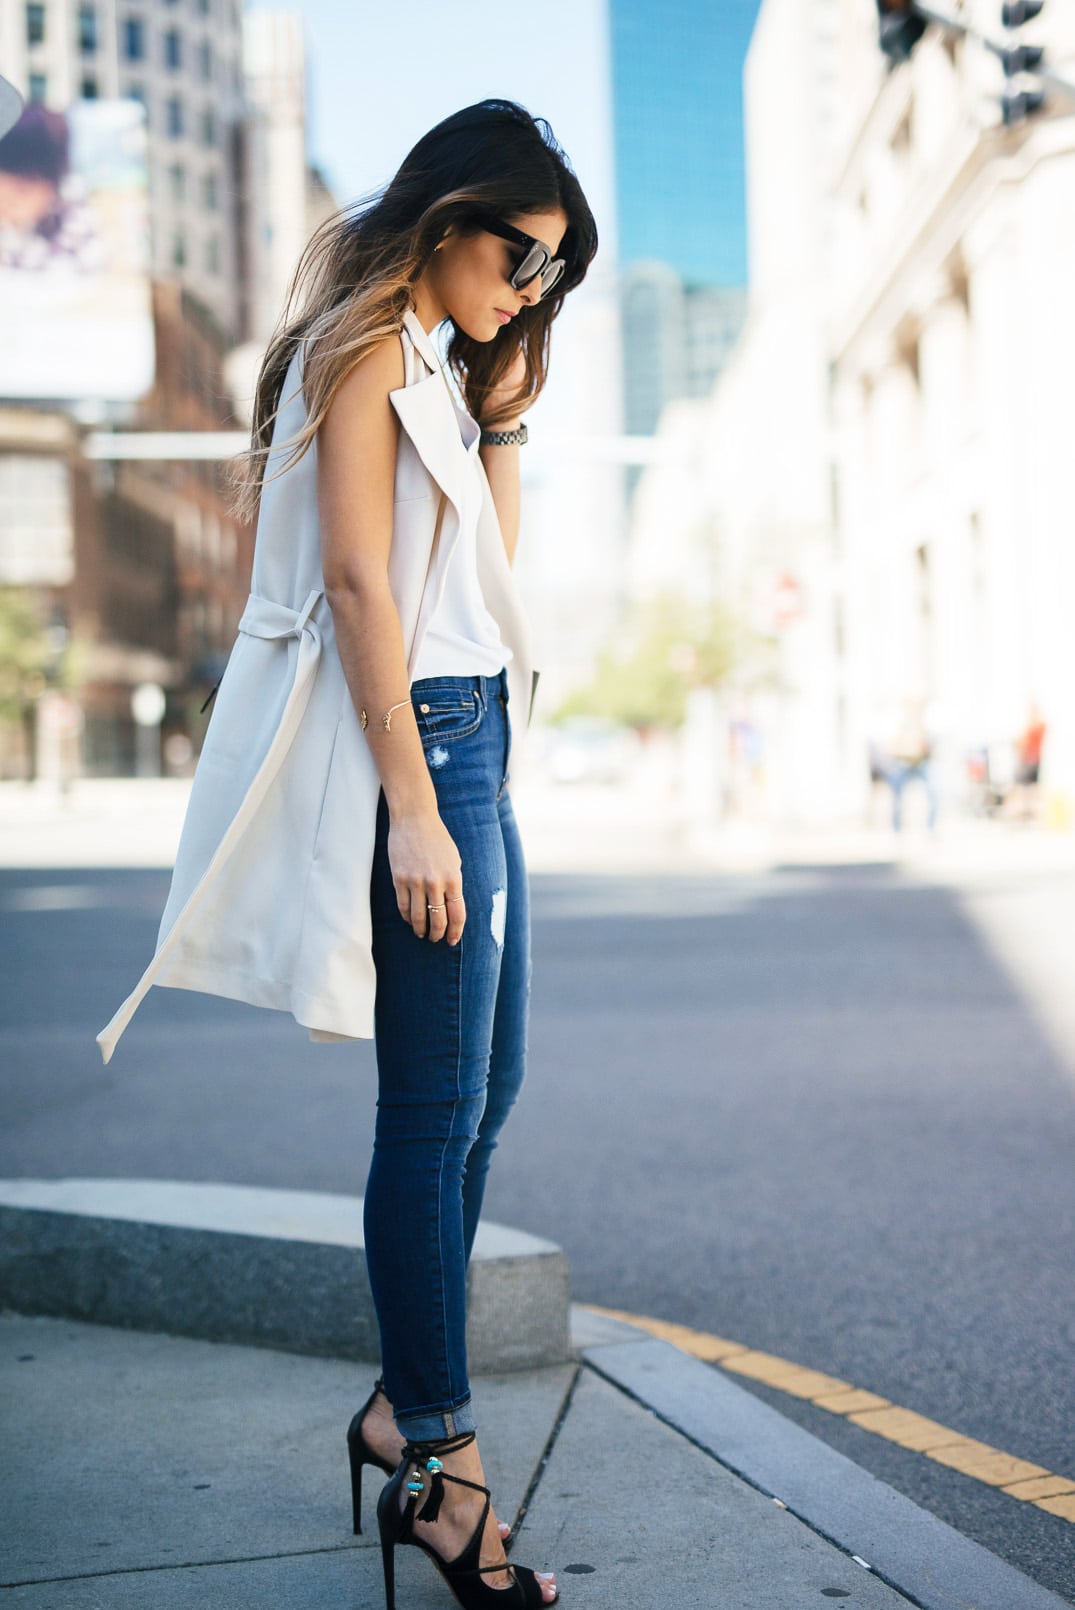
<point>360,1453</point>
<point>463,1574</point>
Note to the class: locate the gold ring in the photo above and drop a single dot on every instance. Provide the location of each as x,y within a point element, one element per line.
<point>434,908</point>
<point>448,898</point>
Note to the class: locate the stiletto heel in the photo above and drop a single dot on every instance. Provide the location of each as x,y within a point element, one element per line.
<point>357,1461</point>
<point>360,1453</point>
<point>392,1521</point>
<point>463,1574</point>
<point>388,1562</point>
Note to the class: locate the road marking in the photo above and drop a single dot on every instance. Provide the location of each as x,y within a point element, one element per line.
<point>52,897</point>
<point>1017,1477</point>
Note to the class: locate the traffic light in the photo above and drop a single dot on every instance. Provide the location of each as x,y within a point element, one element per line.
<point>1013,13</point>
<point>1017,59</point>
<point>900,27</point>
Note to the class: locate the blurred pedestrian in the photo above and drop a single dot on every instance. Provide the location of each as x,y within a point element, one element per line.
<point>904,756</point>
<point>1023,798</point>
<point>350,853</point>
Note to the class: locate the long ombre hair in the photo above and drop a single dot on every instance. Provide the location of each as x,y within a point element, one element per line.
<point>355,279</point>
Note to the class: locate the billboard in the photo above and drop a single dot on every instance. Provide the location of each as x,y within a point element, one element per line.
<point>75,311</point>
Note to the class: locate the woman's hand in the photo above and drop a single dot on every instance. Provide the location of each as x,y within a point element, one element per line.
<point>427,875</point>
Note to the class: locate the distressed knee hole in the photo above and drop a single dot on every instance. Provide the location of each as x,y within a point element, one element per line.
<point>437,757</point>
<point>498,916</point>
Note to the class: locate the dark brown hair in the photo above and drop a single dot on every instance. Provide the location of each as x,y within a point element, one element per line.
<point>354,281</point>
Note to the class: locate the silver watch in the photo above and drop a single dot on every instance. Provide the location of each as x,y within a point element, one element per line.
<point>503,438</point>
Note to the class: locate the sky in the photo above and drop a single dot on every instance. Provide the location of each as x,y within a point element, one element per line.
<point>379,78</point>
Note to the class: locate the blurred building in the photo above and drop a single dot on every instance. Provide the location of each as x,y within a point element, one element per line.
<point>284,198</point>
<point>184,64</point>
<point>677,338</point>
<point>145,569</point>
<point>136,570</point>
<point>951,340</point>
<point>881,472</point>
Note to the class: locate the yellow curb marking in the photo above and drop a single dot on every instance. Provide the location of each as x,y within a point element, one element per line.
<point>1042,1487</point>
<point>1017,1477</point>
<point>911,1430</point>
<point>852,1401</point>
<point>1062,1506</point>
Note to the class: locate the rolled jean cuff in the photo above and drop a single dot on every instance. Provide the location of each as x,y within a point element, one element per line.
<point>437,1427</point>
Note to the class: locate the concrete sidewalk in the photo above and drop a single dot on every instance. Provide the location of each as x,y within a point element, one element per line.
<point>589,828</point>
<point>149,1470</point>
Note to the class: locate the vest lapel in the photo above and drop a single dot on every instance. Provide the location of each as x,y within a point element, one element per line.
<point>427,412</point>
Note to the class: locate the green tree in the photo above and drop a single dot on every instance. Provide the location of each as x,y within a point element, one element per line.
<point>661,651</point>
<point>24,654</point>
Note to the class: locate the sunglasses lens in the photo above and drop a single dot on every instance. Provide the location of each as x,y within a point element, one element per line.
<point>531,265</point>
<point>551,275</point>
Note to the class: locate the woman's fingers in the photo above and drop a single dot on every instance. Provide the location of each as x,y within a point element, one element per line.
<point>437,912</point>
<point>433,913</point>
<point>413,907</point>
<point>456,911</point>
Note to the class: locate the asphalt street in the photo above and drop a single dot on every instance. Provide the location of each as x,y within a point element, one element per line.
<point>824,1111</point>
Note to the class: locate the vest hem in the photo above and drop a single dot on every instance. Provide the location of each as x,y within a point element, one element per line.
<point>321,1017</point>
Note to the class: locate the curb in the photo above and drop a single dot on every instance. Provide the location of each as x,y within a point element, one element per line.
<point>268,1268</point>
<point>905,1546</point>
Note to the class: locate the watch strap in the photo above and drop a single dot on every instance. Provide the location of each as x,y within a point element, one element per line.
<point>503,438</point>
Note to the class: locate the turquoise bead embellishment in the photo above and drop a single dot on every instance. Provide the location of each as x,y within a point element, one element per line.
<point>415,1485</point>
<point>433,1465</point>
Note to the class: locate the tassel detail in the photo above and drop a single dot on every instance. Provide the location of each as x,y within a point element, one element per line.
<point>431,1508</point>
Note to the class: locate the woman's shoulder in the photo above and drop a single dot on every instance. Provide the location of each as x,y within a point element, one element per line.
<point>379,370</point>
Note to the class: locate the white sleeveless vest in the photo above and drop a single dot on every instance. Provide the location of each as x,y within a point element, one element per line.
<point>269,900</point>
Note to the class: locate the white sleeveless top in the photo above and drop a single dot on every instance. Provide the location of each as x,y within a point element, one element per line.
<point>462,638</point>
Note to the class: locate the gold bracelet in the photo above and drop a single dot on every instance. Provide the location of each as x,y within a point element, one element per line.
<point>386,719</point>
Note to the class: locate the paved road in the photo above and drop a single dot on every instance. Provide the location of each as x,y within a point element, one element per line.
<point>823,1111</point>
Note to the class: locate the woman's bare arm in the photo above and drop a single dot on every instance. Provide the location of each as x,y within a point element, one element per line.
<point>356,447</point>
<point>502,463</point>
<point>502,468</point>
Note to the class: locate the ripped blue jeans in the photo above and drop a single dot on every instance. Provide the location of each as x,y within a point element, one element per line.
<point>451,1054</point>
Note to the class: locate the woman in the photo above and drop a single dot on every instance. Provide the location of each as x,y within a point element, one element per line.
<point>349,852</point>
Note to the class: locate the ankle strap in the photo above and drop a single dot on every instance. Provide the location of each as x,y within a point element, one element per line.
<point>418,1452</point>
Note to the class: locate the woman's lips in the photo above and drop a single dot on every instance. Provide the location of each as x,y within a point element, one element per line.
<point>505,318</point>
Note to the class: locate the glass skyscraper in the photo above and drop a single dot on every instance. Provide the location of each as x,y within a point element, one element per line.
<point>678,123</point>
<point>678,129</point>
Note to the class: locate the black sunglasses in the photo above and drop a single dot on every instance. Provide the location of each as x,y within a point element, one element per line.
<point>537,259</point>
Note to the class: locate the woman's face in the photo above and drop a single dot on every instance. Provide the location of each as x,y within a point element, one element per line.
<point>469,276</point>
